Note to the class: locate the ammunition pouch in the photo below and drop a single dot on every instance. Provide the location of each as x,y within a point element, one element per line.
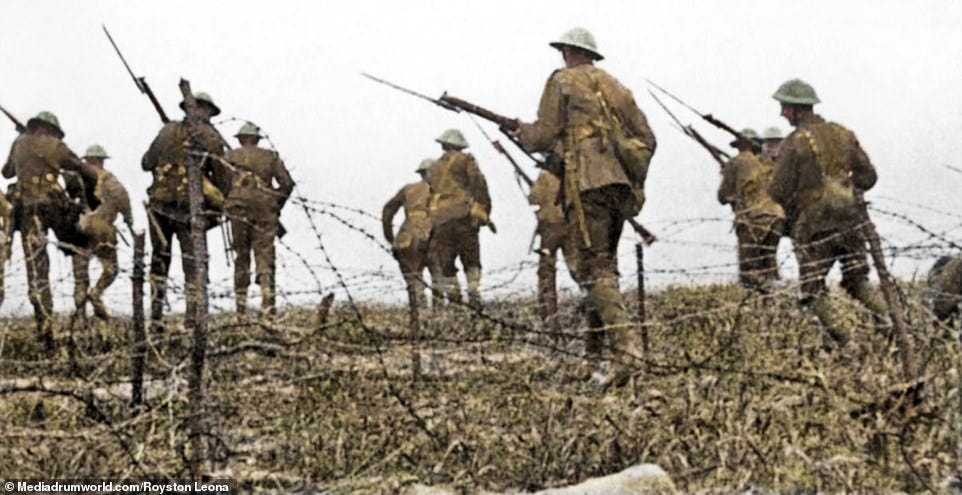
<point>170,186</point>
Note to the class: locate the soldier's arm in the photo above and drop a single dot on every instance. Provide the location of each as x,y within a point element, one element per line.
<point>478,185</point>
<point>541,134</point>
<point>726,192</point>
<point>8,168</point>
<point>863,173</point>
<point>785,176</point>
<point>387,214</point>
<point>165,138</point>
<point>285,185</point>
<point>634,119</point>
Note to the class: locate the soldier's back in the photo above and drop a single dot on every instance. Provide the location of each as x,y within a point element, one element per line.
<point>36,162</point>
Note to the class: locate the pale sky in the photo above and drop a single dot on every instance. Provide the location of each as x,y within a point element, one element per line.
<point>888,70</point>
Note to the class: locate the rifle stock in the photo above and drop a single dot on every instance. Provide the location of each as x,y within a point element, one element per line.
<point>503,122</point>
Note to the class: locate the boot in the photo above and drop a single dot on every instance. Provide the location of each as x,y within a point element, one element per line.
<point>157,293</point>
<point>45,335</point>
<point>871,300</point>
<point>100,309</point>
<point>268,296</point>
<point>607,301</point>
<point>825,312</point>
<point>240,300</point>
<point>452,289</point>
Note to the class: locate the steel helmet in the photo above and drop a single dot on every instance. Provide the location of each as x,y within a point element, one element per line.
<point>772,133</point>
<point>453,137</point>
<point>203,97</point>
<point>747,134</point>
<point>49,119</point>
<point>579,38</point>
<point>796,92</point>
<point>96,151</point>
<point>249,129</point>
<point>425,165</point>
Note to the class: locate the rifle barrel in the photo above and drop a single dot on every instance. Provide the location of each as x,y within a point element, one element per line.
<point>16,123</point>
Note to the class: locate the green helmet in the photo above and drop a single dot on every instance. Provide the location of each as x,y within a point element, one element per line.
<point>579,38</point>
<point>453,137</point>
<point>203,97</point>
<point>796,92</point>
<point>747,134</point>
<point>425,165</point>
<point>772,133</point>
<point>46,118</point>
<point>249,129</point>
<point>96,151</point>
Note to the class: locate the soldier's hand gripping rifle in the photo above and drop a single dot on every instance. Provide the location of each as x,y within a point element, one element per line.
<point>16,123</point>
<point>140,82</point>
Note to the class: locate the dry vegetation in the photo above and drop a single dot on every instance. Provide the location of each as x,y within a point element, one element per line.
<point>737,393</point>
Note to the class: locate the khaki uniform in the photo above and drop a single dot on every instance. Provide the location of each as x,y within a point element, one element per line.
<point>36,161</point>
<point>110,198</point>
<point>945,282</point>
<point>818,166</point>
<point>6,238</point>
<point>595,187</point>
<point>254,208</point>
<point>459,206</point>
<point>758,218</point>
<point>168,209</point>
<point>551,230</point>
<point>410,246</point>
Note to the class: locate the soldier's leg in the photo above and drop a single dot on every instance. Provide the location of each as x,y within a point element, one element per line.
<point>5,238</point>
<point>769,254</point>
<point>748,257</point>
<point>108,273</point>
<point>443,253</point>
<point>34,241</point>
<point>242,231</point>
<point>547,277</point>
<point>81,282</point>
<point>189,262</point>
<point>855,271</point>
<point>263,245</point>
<point>815,259</point>
<point>161,243</point>
<point>469,251</point>
<point>410,264</point>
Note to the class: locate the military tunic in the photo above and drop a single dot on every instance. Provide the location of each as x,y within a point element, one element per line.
<point>111,199</point>
<point>818,166</point>
<point>168,209</point>
<point>595,185</point>
<point>36,160</point>
<point>254,206</point>
<point>410,246</point>
<point>459,205</point>
<point>758,218</point>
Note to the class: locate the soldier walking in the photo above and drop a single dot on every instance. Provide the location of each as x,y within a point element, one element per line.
<point>254,207</point>
<point>551,229</point>
<point>820,165</point>
<point>106,197</point>
<point>758,219</point>
<point>459,206</point>
<point>36,160</point>
<point>575,110</point>
<point>410,246</point>
<point>168,209</point>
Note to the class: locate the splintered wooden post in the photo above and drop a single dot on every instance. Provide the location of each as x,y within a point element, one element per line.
<point>640,260</point>
<point>414,288</point>
<point>196,290</point>
<point>324,311</point>
<point>887,284</point>
<point>139,335</point>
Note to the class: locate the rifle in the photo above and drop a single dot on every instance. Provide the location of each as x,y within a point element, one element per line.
<point>497,146</point>
<point>140,82</point>
<point>706,116</point>
<point>16,123</point>
<point>720,156</point>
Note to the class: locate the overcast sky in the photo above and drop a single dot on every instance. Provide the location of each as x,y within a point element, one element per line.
<point>889,70</point>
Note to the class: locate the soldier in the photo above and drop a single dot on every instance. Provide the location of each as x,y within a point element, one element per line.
<point>546,195</point>
<point>771,138</point>
<point>459,206</point>
<point>945,283</point>
<point>254,207</point>
<point>36,159</point>
<point>168,209</point>
<point>820,164</point>
<point>410,247</point>
<point>6,238</point>
<point>758,219</point>
<point>107,198</point>
<point>579,107</point>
